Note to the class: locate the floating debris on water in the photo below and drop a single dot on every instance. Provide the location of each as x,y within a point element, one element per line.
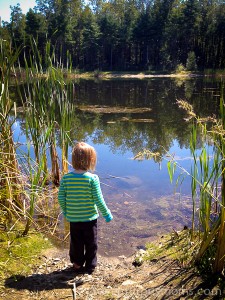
<point>114,109</point>
<point>138,120</point>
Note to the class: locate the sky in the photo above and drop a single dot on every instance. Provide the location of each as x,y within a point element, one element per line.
<point>5,7</point>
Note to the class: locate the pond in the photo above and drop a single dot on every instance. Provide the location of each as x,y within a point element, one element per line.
<point>122,117</point>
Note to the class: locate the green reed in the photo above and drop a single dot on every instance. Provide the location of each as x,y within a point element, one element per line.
<point>47,105</point>
<point>47,115</point>
<point>208,185</point>
<point>36,181</point>
<point>9,179</point>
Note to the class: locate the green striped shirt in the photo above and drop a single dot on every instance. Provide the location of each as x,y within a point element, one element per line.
<point>80,197</point>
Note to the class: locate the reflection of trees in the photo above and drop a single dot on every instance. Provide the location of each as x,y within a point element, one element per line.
<point>127,135</point>
<point>158,94</point>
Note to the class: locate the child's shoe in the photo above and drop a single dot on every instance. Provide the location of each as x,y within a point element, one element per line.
<point>90,271</point>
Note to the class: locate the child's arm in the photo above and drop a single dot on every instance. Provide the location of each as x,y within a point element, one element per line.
<point>62,197</point>
<point>99,200</point>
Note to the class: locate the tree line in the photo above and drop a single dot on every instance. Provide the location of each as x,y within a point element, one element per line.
<point>124,35</point>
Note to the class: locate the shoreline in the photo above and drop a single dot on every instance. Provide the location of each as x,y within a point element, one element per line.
<point>101,75</point>
<point>138,75</point>
<point>160,276</point>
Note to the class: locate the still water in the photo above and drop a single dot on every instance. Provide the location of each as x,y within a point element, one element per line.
<point>143,201</point>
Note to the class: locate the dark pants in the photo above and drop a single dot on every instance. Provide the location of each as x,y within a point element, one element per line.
<point>83,243</point>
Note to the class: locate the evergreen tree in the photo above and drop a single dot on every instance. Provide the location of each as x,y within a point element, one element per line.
<point>191,62</point>
<point>32,23</point>
<point>91,37</point>
<point>108,41</point>
<point>17,25</point>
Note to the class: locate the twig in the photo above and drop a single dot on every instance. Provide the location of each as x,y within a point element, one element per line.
<point>127,195</point>
<point>74,291</point>
<point>66,236</point>
<point>114,188</point>
<point>117,177</point>
<point>56,223</point>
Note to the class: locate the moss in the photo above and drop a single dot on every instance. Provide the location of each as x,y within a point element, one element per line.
<point>176,246</point>
<point>19,254</point>
<point>109,296</point>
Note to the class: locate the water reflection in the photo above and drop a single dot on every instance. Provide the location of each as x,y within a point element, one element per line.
<point>159,95</point>
<point>139,193</point>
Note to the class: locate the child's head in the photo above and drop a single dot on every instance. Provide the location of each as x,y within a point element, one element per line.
<point>84,157</point>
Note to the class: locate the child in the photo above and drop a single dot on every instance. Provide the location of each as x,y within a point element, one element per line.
<point>79,197</point>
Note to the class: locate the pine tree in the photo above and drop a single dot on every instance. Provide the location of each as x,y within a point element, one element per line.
<point>191,62</point>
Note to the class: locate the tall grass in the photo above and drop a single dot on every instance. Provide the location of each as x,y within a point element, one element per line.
<point>47,105</point>
<point>47,115</point>
<point>37,179</point>
<point>208,185</point>
<point>9,179</point>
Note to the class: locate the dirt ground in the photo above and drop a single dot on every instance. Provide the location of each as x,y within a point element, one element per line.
<point>115,278</point>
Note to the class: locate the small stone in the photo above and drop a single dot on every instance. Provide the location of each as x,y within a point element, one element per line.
<point>57,259</point>
<point>129,282</point>
<point>141,252</point>
<point>122,256</point>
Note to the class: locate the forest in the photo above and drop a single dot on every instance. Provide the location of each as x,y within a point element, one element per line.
<point>123,35</point>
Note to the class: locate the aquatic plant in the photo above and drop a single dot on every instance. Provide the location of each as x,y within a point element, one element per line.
<point>209,182</point>
<point>208,186</point>
<point>47,105</point>
<point>9,169</point>
<point>47,114</point>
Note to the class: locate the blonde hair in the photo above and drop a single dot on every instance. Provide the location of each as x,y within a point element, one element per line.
<point>84,157</point>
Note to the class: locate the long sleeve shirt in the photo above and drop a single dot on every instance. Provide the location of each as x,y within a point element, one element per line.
<point>80,197</point>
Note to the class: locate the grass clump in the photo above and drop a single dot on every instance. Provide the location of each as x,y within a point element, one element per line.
<point>175,246</point>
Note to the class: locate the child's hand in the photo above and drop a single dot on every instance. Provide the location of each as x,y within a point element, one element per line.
<point>108,218</point>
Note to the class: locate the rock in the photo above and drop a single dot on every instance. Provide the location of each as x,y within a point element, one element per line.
<point>122,256</point>
<point>56,259</point>
<point>141,252</point>
<point>139,258</point>
<point>129,282</point>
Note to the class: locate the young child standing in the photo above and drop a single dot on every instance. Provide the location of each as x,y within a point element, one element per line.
<point>80,197</point>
